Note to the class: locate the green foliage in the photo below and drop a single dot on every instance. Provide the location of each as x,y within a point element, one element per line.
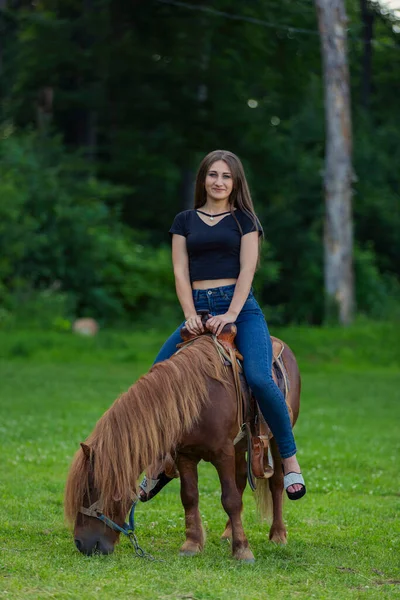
<point>378,294</point>
<point>60,229</point>
<point>316,349</point>
<point>39,309</point>
<point>144,90</point>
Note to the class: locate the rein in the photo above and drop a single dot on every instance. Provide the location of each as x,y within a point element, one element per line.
<point>128,529</point>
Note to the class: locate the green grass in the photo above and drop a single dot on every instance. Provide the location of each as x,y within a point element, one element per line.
<point>344,537</point>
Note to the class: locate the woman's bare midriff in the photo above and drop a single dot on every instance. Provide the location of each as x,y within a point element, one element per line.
<point>207,284</point>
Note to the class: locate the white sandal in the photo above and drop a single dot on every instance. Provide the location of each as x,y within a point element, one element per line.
<point>291,479</point>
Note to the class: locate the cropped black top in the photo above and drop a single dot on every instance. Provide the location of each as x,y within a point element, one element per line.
<point>214,250</point>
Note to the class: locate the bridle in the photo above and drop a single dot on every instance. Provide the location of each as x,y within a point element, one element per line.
<point>127,529</point>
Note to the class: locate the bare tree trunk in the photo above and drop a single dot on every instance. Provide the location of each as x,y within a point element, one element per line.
<point>338,234</point>
<point>187,187</point>
<point>89,115</point>
<point>367,16</point>
<point>44,109</point>
<point>3,5</point>
<point>188,174</point>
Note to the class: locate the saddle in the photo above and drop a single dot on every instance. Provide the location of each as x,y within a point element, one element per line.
<point>251,423</point>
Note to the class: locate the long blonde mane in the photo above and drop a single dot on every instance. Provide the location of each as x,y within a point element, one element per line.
<point>143,424</point>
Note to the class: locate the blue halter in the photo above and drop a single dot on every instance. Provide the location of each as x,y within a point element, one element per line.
<point>128,529</point>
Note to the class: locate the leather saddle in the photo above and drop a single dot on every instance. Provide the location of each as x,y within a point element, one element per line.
<point>226,337</point>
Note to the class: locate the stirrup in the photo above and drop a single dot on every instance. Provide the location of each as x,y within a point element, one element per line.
<point>291,479</point>
<point>149,488</point>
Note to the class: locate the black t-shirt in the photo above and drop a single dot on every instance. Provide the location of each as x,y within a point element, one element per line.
<point>214,250</point>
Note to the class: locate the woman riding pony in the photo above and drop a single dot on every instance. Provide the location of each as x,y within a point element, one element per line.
<point>215,251</point>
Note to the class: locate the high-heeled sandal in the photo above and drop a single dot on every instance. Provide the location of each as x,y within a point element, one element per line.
<point>292,478</point>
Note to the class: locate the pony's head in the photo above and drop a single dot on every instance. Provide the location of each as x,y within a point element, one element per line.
<point>84,500</point>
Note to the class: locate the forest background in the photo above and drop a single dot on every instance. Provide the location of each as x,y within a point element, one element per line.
<point>107,109</point>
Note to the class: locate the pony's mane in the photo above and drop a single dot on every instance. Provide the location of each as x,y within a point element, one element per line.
<point>144,424</point>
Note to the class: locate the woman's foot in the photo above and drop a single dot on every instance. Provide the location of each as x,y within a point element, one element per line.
<point>293,479</point>
<point>150,487</point>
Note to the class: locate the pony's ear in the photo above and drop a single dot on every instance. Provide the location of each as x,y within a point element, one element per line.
<point>85,450</point>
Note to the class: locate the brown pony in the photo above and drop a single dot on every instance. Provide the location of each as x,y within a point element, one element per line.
<point>186,404</point>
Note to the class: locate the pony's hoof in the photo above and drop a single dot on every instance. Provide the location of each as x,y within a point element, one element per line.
<point>227,535</point>
<point>249,561</point>
<point>186,553</point>
<point>245,555</point>
<point>278,537</point>
<point>189,549</point>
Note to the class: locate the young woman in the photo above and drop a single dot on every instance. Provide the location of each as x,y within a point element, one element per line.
<point>215,249</point>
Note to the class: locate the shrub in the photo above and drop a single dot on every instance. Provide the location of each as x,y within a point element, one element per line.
<point>377,294</point>
<point>60,226</point>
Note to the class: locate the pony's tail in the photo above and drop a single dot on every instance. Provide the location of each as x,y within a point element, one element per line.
<point>263,498</point>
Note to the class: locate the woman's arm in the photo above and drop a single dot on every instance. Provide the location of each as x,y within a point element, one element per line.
<point>248,264</point>
<point>180,261</point>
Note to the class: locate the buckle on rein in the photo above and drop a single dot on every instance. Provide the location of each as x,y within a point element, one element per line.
<point>127,529</point>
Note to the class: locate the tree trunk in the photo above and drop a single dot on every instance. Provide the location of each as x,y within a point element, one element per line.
<point>188,179</point>
<point>2,27</point>
<point>338,234</point>
<point>367,16</point>
<point>44,109</point>
<point>89,115</point>
<point>187,187</point>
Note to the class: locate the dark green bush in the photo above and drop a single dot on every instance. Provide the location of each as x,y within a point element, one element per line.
<point>377,294</point>
<point>63,249</point>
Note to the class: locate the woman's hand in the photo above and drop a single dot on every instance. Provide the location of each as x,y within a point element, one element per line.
<point>194,325</point>
<point>216,324</point>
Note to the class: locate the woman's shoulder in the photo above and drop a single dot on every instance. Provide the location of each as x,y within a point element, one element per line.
<point>185,214</point>
<point>248,220</point>
<point>181,222</point>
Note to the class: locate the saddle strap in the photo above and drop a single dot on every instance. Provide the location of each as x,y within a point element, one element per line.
<point>230,355</point>
<point>261,459</point>
<point>250,477</point>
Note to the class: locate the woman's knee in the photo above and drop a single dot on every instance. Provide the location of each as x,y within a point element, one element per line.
<point>262,384</point>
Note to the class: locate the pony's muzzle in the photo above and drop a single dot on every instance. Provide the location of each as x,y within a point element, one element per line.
<point>94,547</point>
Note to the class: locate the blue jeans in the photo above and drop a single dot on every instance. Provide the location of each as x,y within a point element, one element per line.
<point>254,343</point>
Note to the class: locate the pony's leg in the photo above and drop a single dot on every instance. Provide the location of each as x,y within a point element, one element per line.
<point>195,537</point>
<point>241,480</point>
<point>277,533</point>
<point>231,499</point>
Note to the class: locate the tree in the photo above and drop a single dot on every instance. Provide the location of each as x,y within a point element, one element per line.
<point>338,226</point>
<point>367,16</point>
<point>145,89</point>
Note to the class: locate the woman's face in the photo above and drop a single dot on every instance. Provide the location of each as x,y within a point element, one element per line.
<point>219,182</point>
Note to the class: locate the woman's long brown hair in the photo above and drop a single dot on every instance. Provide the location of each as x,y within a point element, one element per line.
<point>240,197</point>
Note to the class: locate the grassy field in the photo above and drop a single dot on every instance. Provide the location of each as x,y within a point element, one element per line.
<point>344,537</point>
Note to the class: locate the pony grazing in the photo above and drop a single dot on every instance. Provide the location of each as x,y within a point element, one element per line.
<point>186,405</point>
